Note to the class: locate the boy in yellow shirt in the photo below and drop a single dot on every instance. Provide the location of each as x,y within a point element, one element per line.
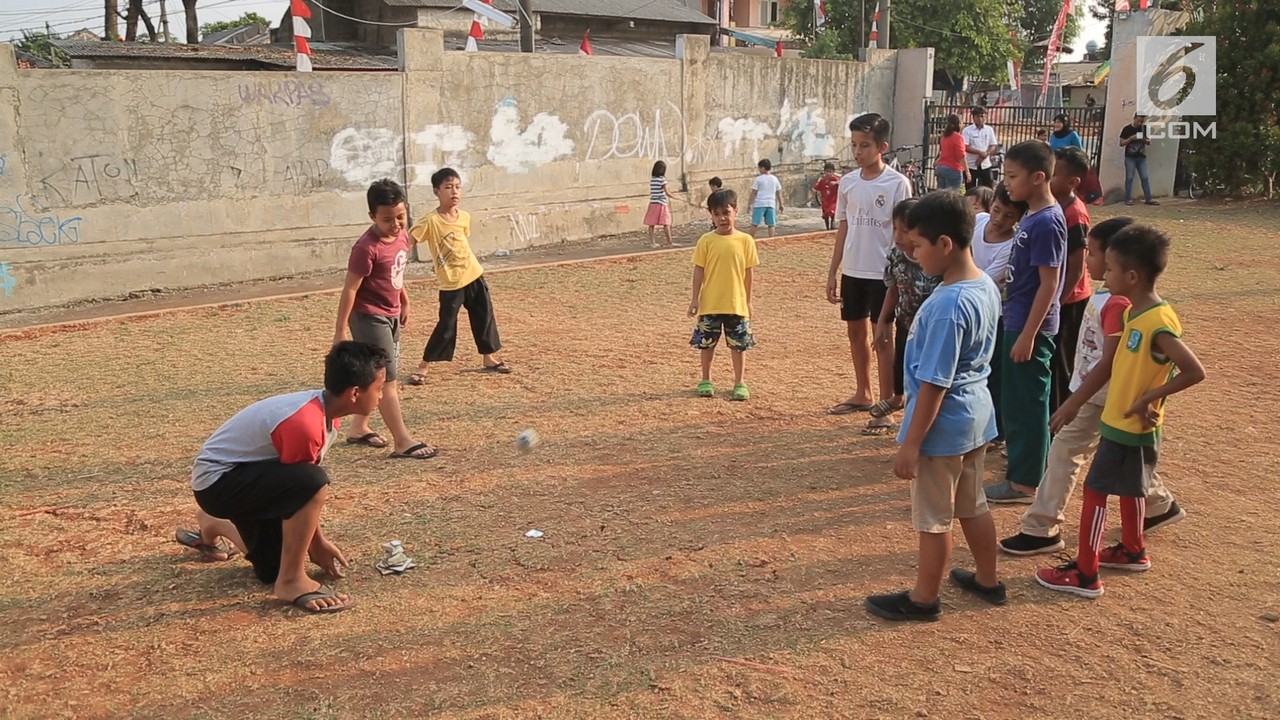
<point>445,233</point>
<point>722,273</point>
<point>1151,363</point>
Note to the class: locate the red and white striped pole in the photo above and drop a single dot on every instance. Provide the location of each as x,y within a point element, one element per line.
<point>299,11</point>
<point>875,29</point>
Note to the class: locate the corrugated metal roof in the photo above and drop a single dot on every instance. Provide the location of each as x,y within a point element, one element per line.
<point>324,56</point>
<point>661,10</point>
<point>557,46</point>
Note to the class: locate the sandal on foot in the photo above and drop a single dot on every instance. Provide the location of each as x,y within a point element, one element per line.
<point>415,452</point>
<point>880,426</point>
<point>373,440</point>
<point>501,368</point>
<point>416,379</point>
<point>218,552</point>
<point>740,392</point>
<point>320,593</point>
<point>847,408</point>
<point>884,408</point>
<point>706,389</point>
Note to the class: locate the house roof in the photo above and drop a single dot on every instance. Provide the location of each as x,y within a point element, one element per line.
<point>27,60</point>
<point>324,56</point>
<point>672,11</point>
<point>251,34</point>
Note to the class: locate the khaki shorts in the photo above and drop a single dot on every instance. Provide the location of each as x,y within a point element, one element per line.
<point>945,488</point>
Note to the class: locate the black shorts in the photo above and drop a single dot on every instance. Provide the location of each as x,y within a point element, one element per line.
<point>860,298</point>
<point>257,498</point>
<point>1124,470</point>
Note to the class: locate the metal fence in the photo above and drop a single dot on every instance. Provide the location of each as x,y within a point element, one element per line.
<point>1014,124</point>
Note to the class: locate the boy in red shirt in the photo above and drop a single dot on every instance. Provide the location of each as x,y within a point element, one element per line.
<point>827,188</point>
<point>1069,170</point>
<point>376,307</point>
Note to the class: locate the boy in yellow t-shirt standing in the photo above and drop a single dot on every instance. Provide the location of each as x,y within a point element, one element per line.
<point>723,265</point>
<point>1151,363</point>
<point>445,233</point>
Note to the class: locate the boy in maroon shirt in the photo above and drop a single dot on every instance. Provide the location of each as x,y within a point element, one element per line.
<point>375,305</point>
<point>1069,170</point>
<point>827,188</point>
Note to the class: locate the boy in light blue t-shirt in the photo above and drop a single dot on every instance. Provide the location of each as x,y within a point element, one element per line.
<point>949,414</point>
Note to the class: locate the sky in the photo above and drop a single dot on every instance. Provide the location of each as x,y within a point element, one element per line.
<point>66,16</point>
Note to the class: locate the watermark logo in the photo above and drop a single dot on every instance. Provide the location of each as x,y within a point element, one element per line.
<point>1178,75</point>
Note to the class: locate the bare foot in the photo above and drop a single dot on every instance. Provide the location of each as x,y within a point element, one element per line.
<point>289,592</point>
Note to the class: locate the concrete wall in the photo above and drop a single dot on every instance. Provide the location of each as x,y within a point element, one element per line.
<point>113,182</point>
<point>1121,102</point>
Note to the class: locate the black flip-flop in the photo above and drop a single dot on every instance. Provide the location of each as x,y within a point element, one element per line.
<point>847,408</point>
<point>409,454</point>
<point>324,591</point>
<point>368,440</point>
<point>501,368</point>
<point>208,553</point>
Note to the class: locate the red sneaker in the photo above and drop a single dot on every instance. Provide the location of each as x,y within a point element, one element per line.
<point>1118,557</point>
<point>1068,578</point>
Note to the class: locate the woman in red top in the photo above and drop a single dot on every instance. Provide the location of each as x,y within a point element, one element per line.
<point>951,170</point>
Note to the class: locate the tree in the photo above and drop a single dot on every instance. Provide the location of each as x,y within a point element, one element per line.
<point>40,44</point>
<point>1036,25</point>
<point>1245,155</point>
<point>971,37</point>
<point>193,23</point>
<point>111,12</point>
<point>131,18</point>
<point>248,18</point>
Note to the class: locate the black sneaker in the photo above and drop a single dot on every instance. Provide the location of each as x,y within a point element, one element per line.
<point>900,606</point>
<point>1024,544</point>
<point>968,580</point>
<point>1173,515</point>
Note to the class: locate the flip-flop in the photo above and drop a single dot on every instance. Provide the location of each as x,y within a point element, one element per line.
<point>409,454</point>
<point>847,408</point>
<point>416,379</point>
<point>884,408</point>
<point>877,429</point>
<point>501,368</point>
<point>373,440</point>
<point>208,553</point>
<point>324,591</point>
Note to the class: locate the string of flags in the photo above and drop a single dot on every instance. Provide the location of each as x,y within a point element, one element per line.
<point>300,12</point>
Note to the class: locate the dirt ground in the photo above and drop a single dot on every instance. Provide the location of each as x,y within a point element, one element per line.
<point>701,558</point>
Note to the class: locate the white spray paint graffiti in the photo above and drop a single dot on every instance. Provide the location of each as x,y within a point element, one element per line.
<point>364,155</point>
<point>735,131</point>
<point>524,229</point>
<point>628,135</point>
<point>808,129</point>
<point>442,145</point>
<point>519,151</point>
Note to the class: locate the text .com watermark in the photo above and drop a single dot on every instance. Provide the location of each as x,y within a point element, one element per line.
<point>1178,77</point>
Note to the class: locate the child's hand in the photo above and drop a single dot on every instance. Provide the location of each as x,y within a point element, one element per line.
<point>693,309</point>
<point>1067,412</point>
<point>833,294</point>
<point>404,315</point>
<point>1146,411</point>
<point>339,336</point>
<point>904,466</point>
<point>884,333</point>
<point>1022,348</point>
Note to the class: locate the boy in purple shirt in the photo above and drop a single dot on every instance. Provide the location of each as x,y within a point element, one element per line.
<point>1031,310</point>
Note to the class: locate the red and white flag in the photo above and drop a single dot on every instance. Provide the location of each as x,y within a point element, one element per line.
<point>875,29</point>
<point>819,14</point>
<point>1055,43</point>
<point>299,11</point>
<point>476,35</point>
<point>1122,6</point>
<point>777,49</point>
<point>585,47</point>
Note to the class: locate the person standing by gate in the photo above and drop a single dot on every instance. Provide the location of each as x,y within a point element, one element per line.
<point>1063,136</point>
<point>1134,140</point>
<point>980,144</point>
<point>951,171</point>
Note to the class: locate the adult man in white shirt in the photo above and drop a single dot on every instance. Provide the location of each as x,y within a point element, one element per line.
<point>980,144</point>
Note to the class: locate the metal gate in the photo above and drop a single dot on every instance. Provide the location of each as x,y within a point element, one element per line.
<point>1014,124</point>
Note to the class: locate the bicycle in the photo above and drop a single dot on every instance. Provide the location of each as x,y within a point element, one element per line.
<point>913,170</point>
<point>997,162</point>
<point>1197,187</point>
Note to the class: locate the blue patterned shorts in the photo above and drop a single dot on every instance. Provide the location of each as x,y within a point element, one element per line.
<point>737,332</point>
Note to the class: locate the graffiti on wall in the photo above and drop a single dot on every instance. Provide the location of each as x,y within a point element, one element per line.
<point>287,93</point>
<point>7,281</point>
<point>86,179</point>
<point>519,149</point>
<point>633,134</point>
<point>20,224</point>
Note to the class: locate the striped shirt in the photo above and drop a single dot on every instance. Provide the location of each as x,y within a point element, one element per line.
<point>289,428</point>
<point>658,190</point>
